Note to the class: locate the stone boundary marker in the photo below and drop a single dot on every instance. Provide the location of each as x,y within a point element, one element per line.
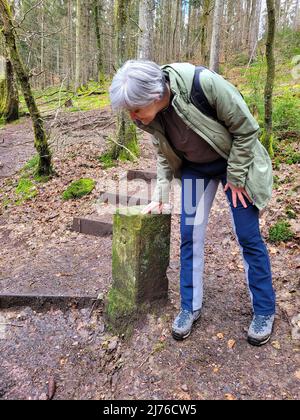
<point>140,258</point>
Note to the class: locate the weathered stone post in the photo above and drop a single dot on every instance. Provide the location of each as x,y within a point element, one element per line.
<point>140,258</point>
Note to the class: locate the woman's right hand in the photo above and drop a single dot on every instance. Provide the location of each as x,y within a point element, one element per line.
<point>154,206</point>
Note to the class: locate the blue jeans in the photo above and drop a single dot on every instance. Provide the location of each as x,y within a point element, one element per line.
<point>199,186</point>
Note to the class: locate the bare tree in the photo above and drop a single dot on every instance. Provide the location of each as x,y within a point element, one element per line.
<point>267,138</point>
<point>205,18</point>
<point>216,36</point>
<point>146,20</point>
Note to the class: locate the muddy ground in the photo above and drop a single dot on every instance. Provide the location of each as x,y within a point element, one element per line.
<point>74,349</point>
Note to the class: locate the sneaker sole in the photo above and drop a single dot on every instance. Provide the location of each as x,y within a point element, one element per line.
<point>179,337</point>
<point>258,343</point>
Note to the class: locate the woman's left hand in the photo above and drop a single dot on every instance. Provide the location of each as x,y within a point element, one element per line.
<point>237,193</point>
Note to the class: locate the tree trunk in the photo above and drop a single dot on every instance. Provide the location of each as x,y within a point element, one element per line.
<point>188,52</point>
<point>96,13</point>
<point>10,111</point>
<point>146,19</point>
<point>69,46</point>
<point>126,131</point>
<point>204,50</point>
<point>267,138</point>
<point>43,74</point>
<point>78,79</point>
<point>40,137</point>
<point>216,36</point>
<point>297,16</point>
<point>252,34</point>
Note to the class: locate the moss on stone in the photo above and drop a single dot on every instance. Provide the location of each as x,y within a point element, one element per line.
<point>79,189</point>
<point>140,258</point>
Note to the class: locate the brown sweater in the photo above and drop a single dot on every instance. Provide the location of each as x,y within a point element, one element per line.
<point>185,140</point>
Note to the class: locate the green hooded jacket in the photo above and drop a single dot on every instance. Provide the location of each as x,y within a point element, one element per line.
<point>249,164</point>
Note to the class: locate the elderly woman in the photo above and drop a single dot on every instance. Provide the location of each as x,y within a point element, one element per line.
<point>204,134</point>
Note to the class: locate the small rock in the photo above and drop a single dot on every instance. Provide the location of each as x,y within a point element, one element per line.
<point>184,388</point>
<point>230,397</point>
<point>43,397</point>
<point>113,345</point>
<point>231,344</point>
<point>276,345</point>
<point>297,375</point>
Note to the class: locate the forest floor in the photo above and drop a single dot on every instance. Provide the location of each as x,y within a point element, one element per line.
<point>74,349</point>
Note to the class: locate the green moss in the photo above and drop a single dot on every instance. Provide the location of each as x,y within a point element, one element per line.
<point>132,145</point>
<point>286,154</point>
<point>267,142</point>
<point>32,164</point>
<point>107,161</point>
<point>280,232</point>
<point>286,115</point>
<point>121,313</point>
<point>290,212</point>
<point>79,189</point>
<point>25,190</point>
<point>5,203</point>
<point>42,178</point>
<point>160,346</point>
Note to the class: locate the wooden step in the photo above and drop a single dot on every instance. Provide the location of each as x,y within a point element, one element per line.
<point>93,225</point>
<point>44,302</point>
<point>138,174</point>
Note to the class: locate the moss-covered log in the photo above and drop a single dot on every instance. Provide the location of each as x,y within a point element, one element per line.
<point>40,136</point>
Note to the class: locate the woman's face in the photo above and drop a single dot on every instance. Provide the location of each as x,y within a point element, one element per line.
<point>146,114</point>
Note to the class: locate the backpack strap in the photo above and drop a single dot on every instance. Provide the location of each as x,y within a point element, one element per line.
<point>198,97</point>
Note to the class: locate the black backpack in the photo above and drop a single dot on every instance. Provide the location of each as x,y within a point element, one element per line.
<point>198,97</point>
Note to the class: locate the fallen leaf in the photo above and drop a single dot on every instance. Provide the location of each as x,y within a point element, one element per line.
<point>230,397</point>
<point>276,345</point>
<point>51,388</point>
<point>231,344</point>
<point>220,336</point>
<point>297,375</point>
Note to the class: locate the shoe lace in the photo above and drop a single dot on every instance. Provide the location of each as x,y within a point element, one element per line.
<point>183,318</point>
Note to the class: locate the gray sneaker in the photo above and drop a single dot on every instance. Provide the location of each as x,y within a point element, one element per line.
<point>260,329</point>
<point>182,326</point>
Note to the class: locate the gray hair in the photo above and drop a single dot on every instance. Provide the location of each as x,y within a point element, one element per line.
<point>137,84</point>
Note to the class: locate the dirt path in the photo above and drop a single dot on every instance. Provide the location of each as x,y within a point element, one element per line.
<point>75,348</point>
<point>16,147</point>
